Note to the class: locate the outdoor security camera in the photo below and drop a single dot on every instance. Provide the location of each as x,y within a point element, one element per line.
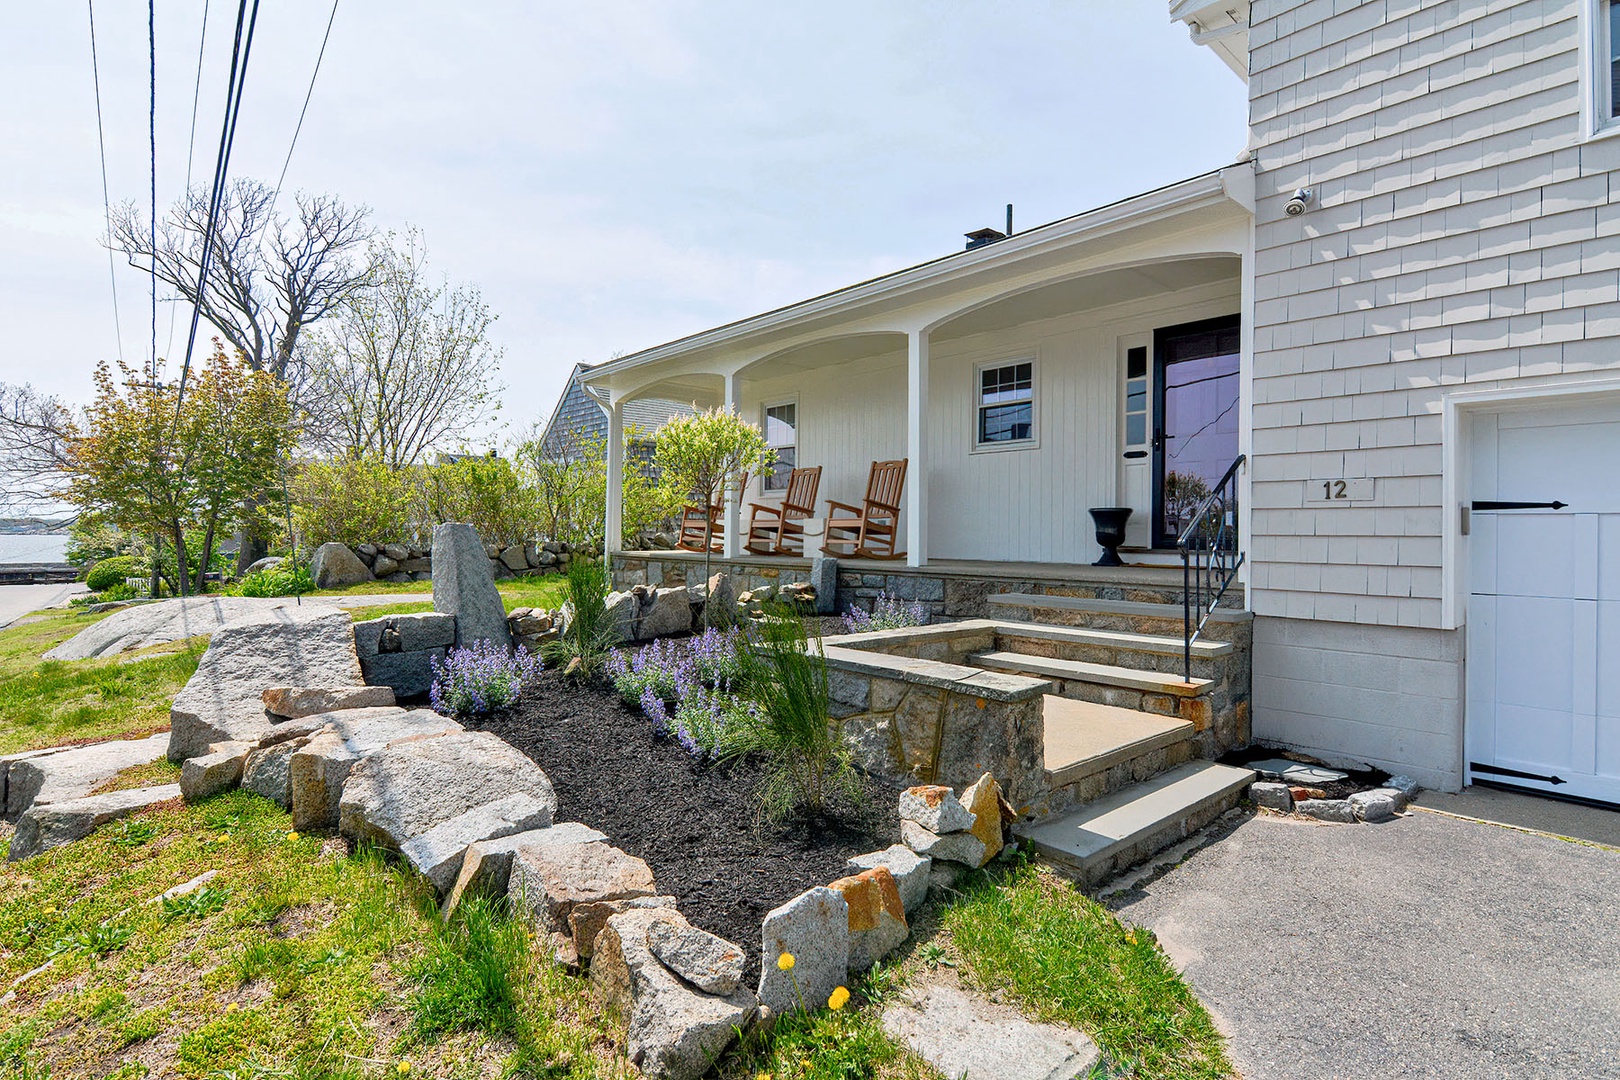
<point>1296,206</point>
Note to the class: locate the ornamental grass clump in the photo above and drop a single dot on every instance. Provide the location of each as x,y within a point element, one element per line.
<point>888,613</point>
<point>587,633</point>
<point>480,679</point>
<point>807,763</point>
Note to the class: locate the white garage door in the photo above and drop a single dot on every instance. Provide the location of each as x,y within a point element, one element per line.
<point>1544,602</point>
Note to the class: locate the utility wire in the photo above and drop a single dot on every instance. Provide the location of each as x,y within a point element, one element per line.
<point>241,50</point>
<point>307,95</point>
<point>151,135</point>
<point>106,200</point>
<point>191,140</point>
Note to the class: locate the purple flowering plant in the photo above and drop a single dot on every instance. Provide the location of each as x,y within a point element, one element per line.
<point>888,613</point>
<point>480,679</point>
<point>691,690</point>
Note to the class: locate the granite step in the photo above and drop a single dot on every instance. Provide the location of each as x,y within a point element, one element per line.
<point>1083,738</point>
<point>1046,667</point>
<point>1097,840</point>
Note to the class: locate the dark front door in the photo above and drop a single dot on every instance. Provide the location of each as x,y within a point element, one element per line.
<point>1195,434</point>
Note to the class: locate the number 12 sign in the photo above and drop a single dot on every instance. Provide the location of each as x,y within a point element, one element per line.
<point>1339,491</point>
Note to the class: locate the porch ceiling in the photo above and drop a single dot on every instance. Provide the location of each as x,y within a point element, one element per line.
<point>704,391</point>
<point>837,350</point>
<point>1097,290</point>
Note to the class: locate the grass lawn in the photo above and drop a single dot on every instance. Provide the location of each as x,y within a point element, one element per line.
<point>301,960</point>
<point>47,703</point>
<point>537,592</point>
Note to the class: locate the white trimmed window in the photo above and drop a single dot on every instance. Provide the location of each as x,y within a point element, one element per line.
<point>782,435</point>
<point>1004,415</point>
<point>1603,68</point>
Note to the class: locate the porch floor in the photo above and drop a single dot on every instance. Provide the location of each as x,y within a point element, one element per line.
<point>982,570</point>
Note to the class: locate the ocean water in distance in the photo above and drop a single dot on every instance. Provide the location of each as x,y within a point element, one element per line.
<point>33,548</point>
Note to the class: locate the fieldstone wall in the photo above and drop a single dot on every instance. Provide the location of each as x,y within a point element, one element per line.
<point>334,565</point>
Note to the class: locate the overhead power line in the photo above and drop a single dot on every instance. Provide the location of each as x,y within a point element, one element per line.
<point>151,135</point>
<point>106,200</point>
<point>241,51</point>
<point>191,140</point>
<point>307,95</point>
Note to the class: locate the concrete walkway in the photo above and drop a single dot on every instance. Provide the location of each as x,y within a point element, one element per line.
<point>1430,946</point>
<point>18,600</point>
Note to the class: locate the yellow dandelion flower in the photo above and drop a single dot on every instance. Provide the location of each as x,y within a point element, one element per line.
<point>224,836</point>
<point>785,962</point>
<point>838,999</point>
<point>50,909</point>
<point>762,1076</point>
<point>292,836</point>
<point>403,1067</point>
<point>232,1007</point>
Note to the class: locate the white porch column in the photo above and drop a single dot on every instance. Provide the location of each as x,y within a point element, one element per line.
<point>613,526</point>
<point>733,518</point>
<point>916,509</point>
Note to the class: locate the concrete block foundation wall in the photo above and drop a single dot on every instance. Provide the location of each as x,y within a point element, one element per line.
<point>1386,696</point>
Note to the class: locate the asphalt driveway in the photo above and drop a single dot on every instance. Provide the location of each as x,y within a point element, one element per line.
<point>1429,946</point>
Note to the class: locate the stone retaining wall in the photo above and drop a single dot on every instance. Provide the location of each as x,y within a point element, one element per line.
<point>399,650</point>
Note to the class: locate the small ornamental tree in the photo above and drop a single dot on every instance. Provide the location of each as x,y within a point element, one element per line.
<point>700,455</point>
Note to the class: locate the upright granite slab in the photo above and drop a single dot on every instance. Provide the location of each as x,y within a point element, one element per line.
<point>464,586</point>
<point>224,701</point>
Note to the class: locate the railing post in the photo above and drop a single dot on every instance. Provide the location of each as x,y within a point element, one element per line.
<point>1186,614</point>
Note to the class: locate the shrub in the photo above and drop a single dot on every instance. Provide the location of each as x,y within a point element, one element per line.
<point>114,593</point>
<point>587,635</point>
<point>806,759</point>
<point>109,572</point>
<point>484,492</point>
<point>283,580</point>
<point>354,501</point>
<point>888,613</point>
<point>480,679</point>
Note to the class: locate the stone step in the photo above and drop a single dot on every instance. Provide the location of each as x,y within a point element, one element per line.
<point>1160,644</point>
<point>1046,667</point>
<point>1094,841</point>
<point>1083,739</point>
<point>1159,653</point>
<point>1138,616</point>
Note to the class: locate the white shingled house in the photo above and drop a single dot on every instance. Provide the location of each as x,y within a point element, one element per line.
<point>1374,366</point>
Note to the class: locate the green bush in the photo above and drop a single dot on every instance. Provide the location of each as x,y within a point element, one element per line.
<point>283,580</point>
<point>355,501</point>
<point>113,593</point>
<point>485,492</point>
<point>110,572</point>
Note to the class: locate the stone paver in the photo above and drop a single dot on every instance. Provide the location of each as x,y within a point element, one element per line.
<point>1423,947</point>
<point>968,1038</point>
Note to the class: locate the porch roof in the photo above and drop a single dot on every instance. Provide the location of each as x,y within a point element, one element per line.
<point>1230,187</point>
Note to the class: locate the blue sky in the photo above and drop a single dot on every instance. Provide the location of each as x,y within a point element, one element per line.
<point>610,175</point>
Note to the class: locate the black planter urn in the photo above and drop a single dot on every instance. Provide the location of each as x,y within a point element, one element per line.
<point>1110,522</point>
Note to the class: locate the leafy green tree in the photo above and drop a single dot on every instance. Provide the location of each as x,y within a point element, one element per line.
<point>699,455</point>
<point>355,500</point>
<point>161,465</point>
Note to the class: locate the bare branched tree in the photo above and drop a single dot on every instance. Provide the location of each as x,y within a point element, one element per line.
<point>269,276</point>
<point>404,366</point>
<point>36,434</point>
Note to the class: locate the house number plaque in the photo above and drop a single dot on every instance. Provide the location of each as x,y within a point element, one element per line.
<point>1339,491</point>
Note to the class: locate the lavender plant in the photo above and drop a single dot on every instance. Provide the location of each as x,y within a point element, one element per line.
<point>888,613</point>
<point>691,690</point>
<point>480,679</point>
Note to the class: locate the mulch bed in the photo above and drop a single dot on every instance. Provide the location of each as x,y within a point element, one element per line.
<point>696,825</point>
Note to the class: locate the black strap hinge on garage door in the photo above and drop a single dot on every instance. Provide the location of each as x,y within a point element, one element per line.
<point>1481,504</point>
<point>1493,770</point>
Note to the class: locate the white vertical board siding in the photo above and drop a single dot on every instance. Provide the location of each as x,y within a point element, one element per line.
<point>1031,505</point>
<point>1462,233</point>
<point>850,415</point>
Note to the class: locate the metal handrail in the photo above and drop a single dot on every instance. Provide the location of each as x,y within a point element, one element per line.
<point>1209,559</point>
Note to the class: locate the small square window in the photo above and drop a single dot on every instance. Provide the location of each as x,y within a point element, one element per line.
<point>1006,404</point>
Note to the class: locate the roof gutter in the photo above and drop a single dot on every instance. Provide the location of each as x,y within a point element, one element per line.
<point>1092,224</point>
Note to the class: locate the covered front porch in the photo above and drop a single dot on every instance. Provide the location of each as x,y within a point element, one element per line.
<point>1094,362</point>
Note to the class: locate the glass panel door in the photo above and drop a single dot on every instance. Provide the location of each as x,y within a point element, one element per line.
<point>1196,428</point>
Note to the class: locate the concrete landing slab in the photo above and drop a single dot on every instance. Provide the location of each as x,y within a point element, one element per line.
<point>1083,737</point>
<point>966,1037</point>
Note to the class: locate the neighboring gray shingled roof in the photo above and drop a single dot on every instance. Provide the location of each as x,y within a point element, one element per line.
<point>578,411</point>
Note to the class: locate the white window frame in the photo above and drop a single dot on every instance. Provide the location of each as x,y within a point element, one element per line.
<point>1596,106</point>
<point>765,427</point>
<point>977,398</point>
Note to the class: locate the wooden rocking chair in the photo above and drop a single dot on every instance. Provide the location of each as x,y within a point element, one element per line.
<point>698,523</point>
<point>779,530</point>
<point>869,531</point>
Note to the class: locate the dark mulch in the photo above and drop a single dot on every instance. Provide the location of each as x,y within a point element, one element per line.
<point>696,825</point>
